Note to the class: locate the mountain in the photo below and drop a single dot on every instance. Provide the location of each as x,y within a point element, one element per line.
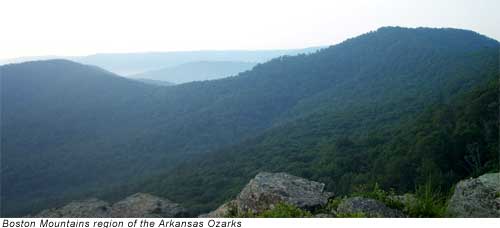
<point>61,119</point>
<point>135,63</point>
<point>281,195</point>
<point>27,59</point>
<point>197,71</point>
<point>437,123</point>
<point>436,148</point>
<point>155,82</point>
<point>71,130</point>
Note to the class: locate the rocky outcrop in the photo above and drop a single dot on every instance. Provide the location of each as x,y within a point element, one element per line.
<point>139,205</point>
<point>142,205</point>
<point>268,189</point>
<point>366,207</point>
<point>228,209</point>
<point>90,208</point>
<point>476,197</point>
<point>324,215</point>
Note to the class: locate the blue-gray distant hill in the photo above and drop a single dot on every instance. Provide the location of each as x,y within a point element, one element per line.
<point>135,63</point>
<point>155,82</point>
<point>197,71</point>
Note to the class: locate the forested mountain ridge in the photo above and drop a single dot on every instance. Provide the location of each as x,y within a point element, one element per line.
<point>134,130</point>
<point>58,119</point>
<point>441,145</point>
<point>361,144</point>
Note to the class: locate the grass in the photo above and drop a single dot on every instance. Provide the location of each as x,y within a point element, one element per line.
<point>351,215</point>
<point>386,197</point>
<point>283,210</point>
<point>429,203</point>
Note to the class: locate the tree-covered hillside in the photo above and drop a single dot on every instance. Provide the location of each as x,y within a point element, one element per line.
<point>71,130</point>
<point>440,145</point>
<point>410,136</point>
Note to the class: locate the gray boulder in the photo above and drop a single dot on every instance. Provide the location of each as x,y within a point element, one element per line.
<point>141,205</point>
<point>476,197</point>
<point>90,208</point>
<point>268,189</point>
<point>367,208</point>
<point>228,209</point>
<point>323,215</point>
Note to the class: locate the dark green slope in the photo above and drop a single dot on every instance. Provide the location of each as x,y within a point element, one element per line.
<point>65,126</point>
<point>340,77</point>
<point>344,135</point>
<point>441,145</point>
<point>69,128</point>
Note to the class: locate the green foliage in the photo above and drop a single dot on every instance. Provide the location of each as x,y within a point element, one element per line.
<point>234,213</point>
<point>280,210</point>
<point>283,210</point>
<point>351,215</point>
<point>331,206</point>
<point>399,157</point>
<point>429,203</point>
<point>386,197</point>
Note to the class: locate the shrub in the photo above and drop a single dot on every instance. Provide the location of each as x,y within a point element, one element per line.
<point>283,210</point>
<point>386,197</point>
<point>429,202</point>
<point>351,215</point>
<point>332,205</point>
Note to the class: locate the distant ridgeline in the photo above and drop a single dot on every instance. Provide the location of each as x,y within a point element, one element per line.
<point>397,106</point>
<point>197,71</point>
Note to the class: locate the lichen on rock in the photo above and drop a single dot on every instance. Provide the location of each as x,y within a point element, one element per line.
<point>267,190</point>
<point>476,197</point>
<point>367,207</point>
<point>139,205</point>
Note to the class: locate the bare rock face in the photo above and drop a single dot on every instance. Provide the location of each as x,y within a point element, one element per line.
<point>368,208</point>
<point>476,197</point>
<point>91,208</point>
<point>268,189</point>
<point>139,205</point>
<point>225,210</point>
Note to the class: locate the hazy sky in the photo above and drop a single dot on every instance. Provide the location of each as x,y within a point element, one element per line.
<point>80,27</point>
